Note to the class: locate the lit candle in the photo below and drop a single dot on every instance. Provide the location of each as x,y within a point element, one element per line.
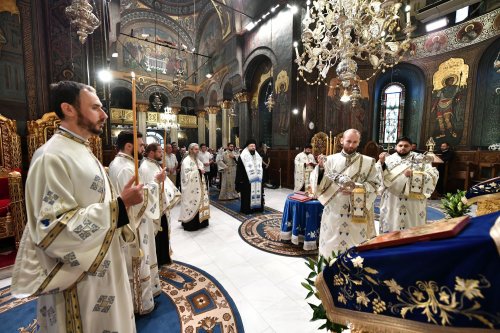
<point>408,20</point>
<point>331,143</point>
<point>164,155</point>
<point>134,124</point>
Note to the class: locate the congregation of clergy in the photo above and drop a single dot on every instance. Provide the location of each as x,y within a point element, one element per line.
<point>103,234</point>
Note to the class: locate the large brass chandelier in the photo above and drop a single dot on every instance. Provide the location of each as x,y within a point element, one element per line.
<point>81,15</point>
<point>338,31</point>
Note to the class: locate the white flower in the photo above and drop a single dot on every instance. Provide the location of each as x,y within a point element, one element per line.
<point>358,262</point>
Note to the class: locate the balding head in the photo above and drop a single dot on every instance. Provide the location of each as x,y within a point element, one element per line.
<point>350,140</point>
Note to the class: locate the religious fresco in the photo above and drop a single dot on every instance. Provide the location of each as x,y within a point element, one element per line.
<point>12,85</point>
<point>282,107</point>
<point>211,44</point>
<point>469,32</point>
<point>143,56</point>
<point>341,116</point>
<point>449,95</point>
<point>224,16</point>
<point>463,34</point>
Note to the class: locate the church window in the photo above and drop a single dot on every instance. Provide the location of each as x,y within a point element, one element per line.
<point>391,120</point>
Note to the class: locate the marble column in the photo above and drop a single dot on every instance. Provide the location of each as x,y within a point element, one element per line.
<point>174,130</point>
<point>226,130</point>
<point>243,117</point>
<point>212,126</point>
<point>201,125</point>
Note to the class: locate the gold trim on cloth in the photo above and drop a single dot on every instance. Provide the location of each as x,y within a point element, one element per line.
<point>144,204</point>
<point>48,279</point>
<point>66,134</point>
<point>57,229</point>
<point>376,323</point>
<point>73,317</point>
<point>136,285</point>
<point>417,195</point>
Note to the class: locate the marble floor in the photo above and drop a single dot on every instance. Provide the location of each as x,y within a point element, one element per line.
<point>265,287</point>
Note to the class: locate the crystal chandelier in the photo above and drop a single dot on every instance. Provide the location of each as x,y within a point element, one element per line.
<point>168,119</point>
<point>338,31</point>
<point>81,15</point>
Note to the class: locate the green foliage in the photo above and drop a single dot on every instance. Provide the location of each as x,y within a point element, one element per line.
<point>319,312</point>
<point>453,205</point>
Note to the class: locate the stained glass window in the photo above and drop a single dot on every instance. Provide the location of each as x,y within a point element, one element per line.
<point>391,120</point>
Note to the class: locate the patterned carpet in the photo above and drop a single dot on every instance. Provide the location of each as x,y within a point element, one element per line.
<point>192,301</point>
<point>263,232</point>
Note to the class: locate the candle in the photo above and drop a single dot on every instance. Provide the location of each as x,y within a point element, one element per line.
<point>326,150</point>
<point>134,124</point>
<point>332,144</point>
<point>408,20</point>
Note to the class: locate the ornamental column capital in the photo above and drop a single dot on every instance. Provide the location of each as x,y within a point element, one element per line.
<point>226,105</point>
<point>175,109</point>
<point>241,97</point>
<point>201,113</point>
<point>212,109</point>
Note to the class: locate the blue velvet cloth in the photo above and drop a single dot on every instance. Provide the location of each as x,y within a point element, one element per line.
<point>448,282</point>
<point>302,219</point>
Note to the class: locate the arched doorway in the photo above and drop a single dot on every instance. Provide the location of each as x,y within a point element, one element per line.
<point>155,133</point>
<point>265,116</point>
<point>188,134</point>
<point>121,98</point>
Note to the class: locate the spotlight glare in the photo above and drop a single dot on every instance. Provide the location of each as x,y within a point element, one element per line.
<point>250,26</point>
<point>295,44</point>
<point>114,55</point>
<point>295,111</point>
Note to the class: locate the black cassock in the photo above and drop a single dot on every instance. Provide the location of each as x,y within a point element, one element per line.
<point>242,185</point>
<point>162,244</point>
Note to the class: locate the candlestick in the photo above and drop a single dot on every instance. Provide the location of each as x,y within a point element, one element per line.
<point>332,144</point>
<point>134,124</point>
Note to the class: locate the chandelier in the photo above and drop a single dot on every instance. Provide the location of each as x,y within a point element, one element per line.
<point>81,15</point>
<point>338,31</point>
<point>168,119</point>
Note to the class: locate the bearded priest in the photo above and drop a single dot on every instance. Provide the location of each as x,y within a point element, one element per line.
<point>140,255</point>
<point>346,184</point>
<point>195,205</point>
<point>304,165</point>
<point>150,167</point>
<point>249,179</point>
<point>408,181</point>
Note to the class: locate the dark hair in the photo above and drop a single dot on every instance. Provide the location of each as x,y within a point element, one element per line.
<point>66,92</point>
<point>308,146</point>
<point>445,142</point>
<point>202,145</point>
<point>404,138</point>
<point>126,137</point>
<point>152,147</point>
<point>230,143</point>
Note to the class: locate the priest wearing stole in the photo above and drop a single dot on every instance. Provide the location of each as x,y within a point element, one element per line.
<point>304,165</point>
<point>346,184</point>
<point>140,254</point>
<point>195,206</point>
<point>170,195</point>
<point>227,165</point>
<point>70,254</point>
<point>249,179</point>
<point>408,181</point>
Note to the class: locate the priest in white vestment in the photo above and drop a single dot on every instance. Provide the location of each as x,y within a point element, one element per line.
<point>227,166</point>
<point>195,205</point>
<point>249,179</point>
<point>143,276</point>
<point>304,165</point>
<point>346,184</point>
<point>70,254</point>
<point>170,196</point>
<point>407,184</point>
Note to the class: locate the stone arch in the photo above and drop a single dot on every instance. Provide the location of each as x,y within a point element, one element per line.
<point>253,60</point>
<point>188,106</point>
<point>227,91</point>
<point>121,98</point>
<point>157,88</point>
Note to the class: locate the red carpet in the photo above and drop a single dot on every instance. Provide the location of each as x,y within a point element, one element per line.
<point>7,258</point>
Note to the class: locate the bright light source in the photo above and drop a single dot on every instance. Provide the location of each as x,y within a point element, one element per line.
<point>105,75</point>
<point>250,26</point>
<point>208,75</point>
<point>295,44</point>
<point>193,49</point>
<point>273,10</point>
<point>293,8</point>
<point>461,14</point>
<point>144,35</point>
<point>436,24</point>
<point>114,55</point>
<point>295,111</point>
<point>345,98</point>
<point>407,8</point>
